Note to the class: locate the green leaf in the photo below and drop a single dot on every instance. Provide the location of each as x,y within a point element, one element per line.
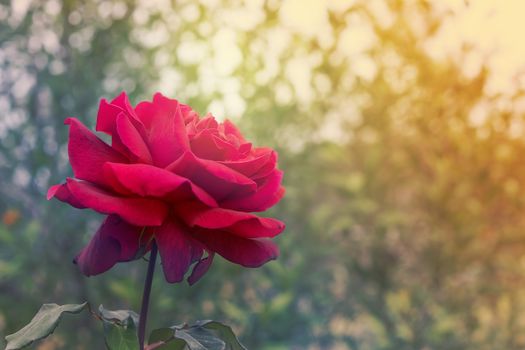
<point>163,339</point>
<point>120,329</point>
<point>42,324</point>
<point>204,335</point>
<point>198,338</point>
<point>224,332</point>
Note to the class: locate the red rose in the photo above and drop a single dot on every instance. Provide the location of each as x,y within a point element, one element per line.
<point>187,182</point>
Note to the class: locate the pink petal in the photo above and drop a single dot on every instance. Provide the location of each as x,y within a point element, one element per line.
<point>136,211</point>
<point>114,241</point>
<point>239,223</point>
<point>165,127</point>
<point>215,178</point>
<point>146,180</point>
<point>87,153</point>
<point>267,195</point>
<point>243,251</point>
<point>176,250</point>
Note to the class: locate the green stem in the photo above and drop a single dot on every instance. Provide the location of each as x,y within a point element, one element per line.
<point>145,295</point>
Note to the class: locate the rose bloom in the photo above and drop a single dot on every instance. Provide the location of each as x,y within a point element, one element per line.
<point>186,182</point>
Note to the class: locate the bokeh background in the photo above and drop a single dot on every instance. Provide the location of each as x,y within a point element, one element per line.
<point>400,128</point>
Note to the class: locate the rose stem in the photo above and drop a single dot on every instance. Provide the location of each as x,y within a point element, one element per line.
<point>145,295</point>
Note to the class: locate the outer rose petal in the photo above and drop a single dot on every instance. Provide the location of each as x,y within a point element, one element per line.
<point>216,179</point>
<point>87,153</point>
<point>136,211</point>
<point>177,250</point>
<point>165,127</point>
<point>132,139</point>
<point>62,193</point>
<point>267,195</point>
<point>149,181</point>
<point>239,223</point>
<point>200,269</point>
<point>122,101</point>
<point>243,251</point>
<point>114,241</point>
<point>107,117</point>
<point>108,112</point>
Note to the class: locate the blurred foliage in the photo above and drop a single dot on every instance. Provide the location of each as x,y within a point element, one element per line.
<point>405,183</point>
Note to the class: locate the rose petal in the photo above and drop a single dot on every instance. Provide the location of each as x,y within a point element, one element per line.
<point>203,145</point>
<point>208,122</point>
<point>146,180</point>
<point>215,178</point>
<point>108,112</point>
<point>242,251</point>
<point>200,269</point>
<point>267,195</point>
<point>122,101</point>
<point>165,127</point>
<point>176,250</point>
<point>253,165</point>
<point>87,153</point>
<point>136,211</point>
<point>267,168</point>
<point>230,128</point>
<point>106,122</point>
<point>115,241</point>
<point>107,116</point>
<point>132,139</point>
<point>62,193</point>
<point>239,223</point>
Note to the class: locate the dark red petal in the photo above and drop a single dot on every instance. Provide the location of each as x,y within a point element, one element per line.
<point>136,211</point>
<point>200,269</point>
<point>215,178</point>
<point>165,127</point>
<point>146,180</point>
<point>61,192</point>
<point>87,153</point>
<point>132,139</point>
<point>239,223</point>
<point>267,195</point>
<point>114,241</point>
<point>176,250</point>
<point>243,251</point>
